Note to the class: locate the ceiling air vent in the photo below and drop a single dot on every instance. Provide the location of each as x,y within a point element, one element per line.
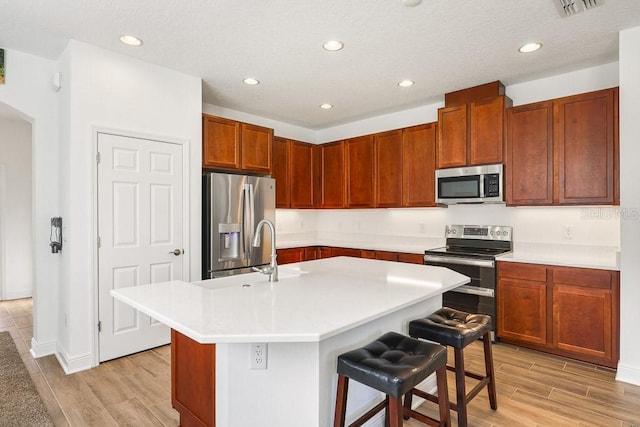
<point>572,7</point>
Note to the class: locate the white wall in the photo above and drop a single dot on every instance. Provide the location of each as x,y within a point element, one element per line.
<point>28,89</point>
<point>17,262</point>
<point>629,366</point>
<point>104,90</point>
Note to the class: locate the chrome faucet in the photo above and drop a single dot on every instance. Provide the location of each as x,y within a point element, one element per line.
<point>272,268</point>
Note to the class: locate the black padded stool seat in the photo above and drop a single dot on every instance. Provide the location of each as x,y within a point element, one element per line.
<point>458,329</point>
<point>393,364</point>
<point>451,327</point>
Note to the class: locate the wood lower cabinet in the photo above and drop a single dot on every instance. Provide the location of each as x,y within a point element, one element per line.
<point>522,303</point>
<point>573,312</point>
<point>290,255</point>
<point>411,258</point>
<point>193,380</point>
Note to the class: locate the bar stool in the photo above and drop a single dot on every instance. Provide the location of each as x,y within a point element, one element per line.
<point>393,364</point>
<point>458,329</point>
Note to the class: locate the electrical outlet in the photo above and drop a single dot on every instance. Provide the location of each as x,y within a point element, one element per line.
<point>567,232</point>
<point>258,356</point>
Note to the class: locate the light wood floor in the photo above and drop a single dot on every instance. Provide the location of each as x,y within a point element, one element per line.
<point>534,389</point>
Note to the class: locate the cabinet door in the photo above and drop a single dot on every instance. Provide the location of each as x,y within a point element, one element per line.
<point>220,142</point>
<point>281,173</point>
<point>586,141</point>
<point>360,172</point>
<point>301,175</point>
<point>486,131</point>
<point>310,253</point>
<point>419,165</point>
<point>323,252</point>
<point>387,256</point>
<point>529,162</point>
<point>345,252</point>
<point>333,169</point>
<point>389,168</point>
<point>411,258</point>
<point>583,321</point>
<point>287,256</point>
<point>367,254</point>
<point>256,148</point>
<point>452,136</point>
<point>522,310</point>
<point>316,174</point>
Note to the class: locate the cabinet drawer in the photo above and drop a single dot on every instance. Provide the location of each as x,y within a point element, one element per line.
<point>582,277</point>
<point>514,270</point>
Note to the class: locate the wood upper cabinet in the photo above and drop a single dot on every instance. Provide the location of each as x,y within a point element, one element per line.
<point>452,136</point>
<point>332,175</point>
<point>486,131</point>
<point>360,170</point>
<point>529,170</point>
<point>293,171</point>
<point>419,165</point>
<point>227,144</point>
<point>255,151</point>
<point>302,175</point>
<point>564,151</point>
<point>586,141</point>
<point>220,142</point>
<point>568,311</point>
<point>389,168</point>
<point>281,171</point>
<point>522,303</point>
<point>471,134</point>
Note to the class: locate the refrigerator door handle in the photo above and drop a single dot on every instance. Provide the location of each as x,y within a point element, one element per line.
<point>252,219</point>
<point>247,220</point>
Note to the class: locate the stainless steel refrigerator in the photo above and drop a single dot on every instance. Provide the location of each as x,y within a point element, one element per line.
<point>232,206</point>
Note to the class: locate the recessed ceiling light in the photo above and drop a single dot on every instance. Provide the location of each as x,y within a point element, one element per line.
<point>333,45</point>
<point>130,40</point>
<point>326,106</point>
<point>406,83</point>
<point>530,47</point>
<point>251,81</point>
<point>411,3</point>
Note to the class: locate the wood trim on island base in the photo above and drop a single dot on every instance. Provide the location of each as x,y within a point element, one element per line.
<point>193,381</point>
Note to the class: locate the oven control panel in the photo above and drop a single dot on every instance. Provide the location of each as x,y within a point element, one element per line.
<point>483,232</point>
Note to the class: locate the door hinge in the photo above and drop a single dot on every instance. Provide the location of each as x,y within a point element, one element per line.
<point>98,157</point>
<point>99,242</point>
<point>99,326</point>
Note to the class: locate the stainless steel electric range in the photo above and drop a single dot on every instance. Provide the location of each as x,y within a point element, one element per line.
<point>472,250</point>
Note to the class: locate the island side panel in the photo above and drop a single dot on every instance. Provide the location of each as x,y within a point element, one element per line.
<point>193,393</point>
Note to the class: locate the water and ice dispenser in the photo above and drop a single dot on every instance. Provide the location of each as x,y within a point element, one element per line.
<point>229,241</point>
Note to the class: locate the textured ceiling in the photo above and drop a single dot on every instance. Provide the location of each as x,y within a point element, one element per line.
<point>443,45</point>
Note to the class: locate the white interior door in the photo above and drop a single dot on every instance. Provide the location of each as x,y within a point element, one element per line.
<point>140,230</point>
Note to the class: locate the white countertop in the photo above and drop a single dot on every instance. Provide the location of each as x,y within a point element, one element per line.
<point>601,257</point>
<point>313,300</point>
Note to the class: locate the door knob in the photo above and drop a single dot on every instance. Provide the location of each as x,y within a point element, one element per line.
<point>176,252</point>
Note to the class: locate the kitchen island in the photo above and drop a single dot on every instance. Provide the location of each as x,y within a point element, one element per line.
<point>318,310</point>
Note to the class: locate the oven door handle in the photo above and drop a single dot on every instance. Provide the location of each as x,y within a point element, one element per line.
<point>460,261</point>
<point>474,290</point>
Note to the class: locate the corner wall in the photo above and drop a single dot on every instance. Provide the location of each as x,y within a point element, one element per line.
<point>629,366</point>
<point>28,89</point>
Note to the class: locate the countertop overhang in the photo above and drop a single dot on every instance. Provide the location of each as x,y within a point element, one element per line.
<point>312,301</point>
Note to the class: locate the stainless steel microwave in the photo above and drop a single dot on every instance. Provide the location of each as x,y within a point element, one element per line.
<point>472,184</point>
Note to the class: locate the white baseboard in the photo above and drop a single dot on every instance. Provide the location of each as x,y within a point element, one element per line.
<point>628,374</point>
<point>74,364</point>
<point>41,349</point>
